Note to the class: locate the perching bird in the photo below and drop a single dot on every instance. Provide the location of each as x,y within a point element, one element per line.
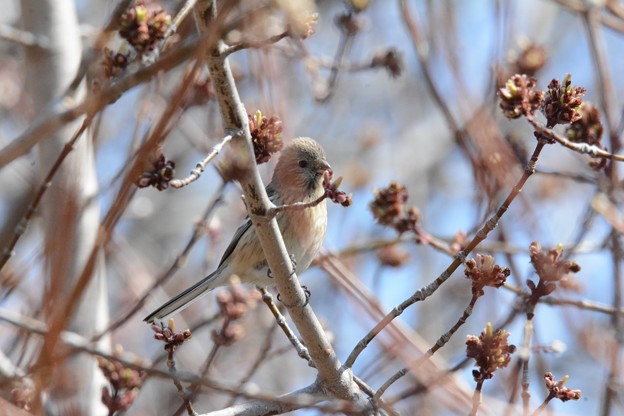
<point>298,177</point>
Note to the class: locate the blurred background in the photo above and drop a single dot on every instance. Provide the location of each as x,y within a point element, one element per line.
<point>389,102</point>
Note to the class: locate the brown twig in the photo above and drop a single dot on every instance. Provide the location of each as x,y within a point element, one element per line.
<point>273,211</point>
<point>614,22</point>
<point>75,342</point>
<point>67,110</point>
<point>481,235</point>
<point>59,320</point>
<point>165,276</point>
<point>254,44</point>
<point>441,342</point>
<point>583,304</point>
<point>20,229</point>
<point>260,359</point>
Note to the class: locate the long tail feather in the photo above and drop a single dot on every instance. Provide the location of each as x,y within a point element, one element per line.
<point>184,299</point>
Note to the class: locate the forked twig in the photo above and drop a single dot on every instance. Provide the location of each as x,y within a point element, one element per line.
<point>424,293</point>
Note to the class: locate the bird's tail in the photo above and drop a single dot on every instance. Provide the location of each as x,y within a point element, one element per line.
<point>184,299</point>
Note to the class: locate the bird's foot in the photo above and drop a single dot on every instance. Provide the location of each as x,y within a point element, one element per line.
<point>307,293</point>
<point>294,267</point>
<point>293,261</point>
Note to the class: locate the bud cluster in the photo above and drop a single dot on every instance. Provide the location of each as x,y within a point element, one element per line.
<point>389,208</point>
<point>483,272</point>
<point>265,135</point>
<point>557,389</point>
<point>144,24</point>
<point>519,97</point>
<point>234,303</point>
<point>125,383</point>
<point>562,102</point>
<point>332,192</point>
<point>172,338</point>
<point>550,268</point>
<point>161,173</point>
<point>491,350</point>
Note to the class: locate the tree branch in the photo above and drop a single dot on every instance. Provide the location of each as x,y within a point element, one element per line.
<point>332,375</point>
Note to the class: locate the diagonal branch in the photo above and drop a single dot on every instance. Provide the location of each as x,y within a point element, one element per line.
<point>427,291</point>
<point>332,375</point>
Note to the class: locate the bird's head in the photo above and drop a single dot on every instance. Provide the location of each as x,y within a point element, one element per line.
<point>300,168</point>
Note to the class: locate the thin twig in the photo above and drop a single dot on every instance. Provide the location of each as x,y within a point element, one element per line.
<point>481,235</point>
<point>254,44</point>
<point>476,398</point>
<point>177,21</point>
<point>260,359</point>
<point>583,148</point>
<point>177,264</point>
<point>181,390</point>
<point>524,357</point>
<point>441,342</point>
<point>273,211</point>
<point>193,390</point>
<point>153,55</point>
<point>302,351</point>
<point>201,166</point>
<point>542,406</point>
<point>583,304</point>
<point>344,46</point>
<point>20,229</point>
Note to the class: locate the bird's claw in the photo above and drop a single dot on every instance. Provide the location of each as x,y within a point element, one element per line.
<point>307,293</point>
<point>293,261</point>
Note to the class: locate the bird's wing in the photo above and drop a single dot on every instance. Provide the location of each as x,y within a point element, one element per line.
<point>235,239</point>
<point>185,298</point>
<point>242,229</point>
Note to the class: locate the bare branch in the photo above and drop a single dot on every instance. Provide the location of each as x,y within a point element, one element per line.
<point>583,148</point>
<point>66,109</point>
<point>273,211</point>
<point>8,252</point>
<point>201,166</point>
<point>254,44</point>
<point>481,235</point>
<point>331,374</point>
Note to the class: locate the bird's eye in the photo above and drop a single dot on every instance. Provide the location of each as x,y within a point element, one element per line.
<point>303,164</point>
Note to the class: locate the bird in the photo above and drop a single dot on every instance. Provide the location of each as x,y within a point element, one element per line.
<point>298,177</point>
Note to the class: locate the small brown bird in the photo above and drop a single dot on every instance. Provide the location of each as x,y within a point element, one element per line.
<point>298,177</point>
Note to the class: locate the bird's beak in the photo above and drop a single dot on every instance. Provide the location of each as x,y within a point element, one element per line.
<point>323,166</point>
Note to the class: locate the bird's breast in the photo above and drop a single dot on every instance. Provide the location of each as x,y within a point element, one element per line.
<point>303,232</point>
